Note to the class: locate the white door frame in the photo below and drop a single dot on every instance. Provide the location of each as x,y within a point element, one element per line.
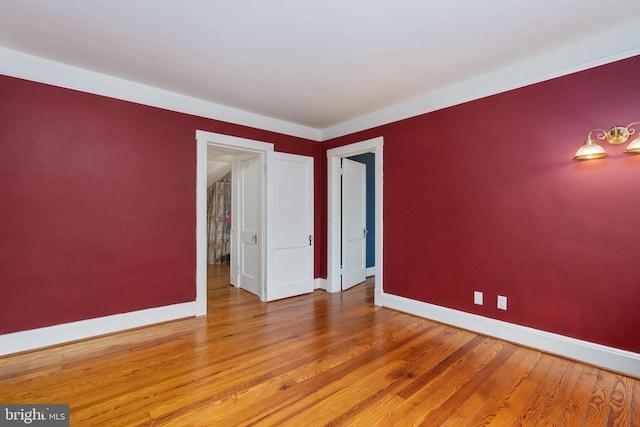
<point>334,218</point>
<point>203,140</point>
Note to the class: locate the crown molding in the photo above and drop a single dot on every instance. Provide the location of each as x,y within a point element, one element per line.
<point>34,68</point>
<point>609,47</point>
<point>603,49</point>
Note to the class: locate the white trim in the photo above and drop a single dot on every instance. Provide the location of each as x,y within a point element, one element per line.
<point>333,211</point>
<point>233,142</point>
<point>609,47</point>
<point>66,332</point>
<point>603,49</point>
<point>203,140</point>
<point>371,271</point>
<point>319,283</point>
<point>614,359</point>
<point>24,66</point>
<point>201,224</point>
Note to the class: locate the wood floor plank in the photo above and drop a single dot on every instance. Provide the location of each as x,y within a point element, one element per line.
<point>576,409</point>
<point>417,362</point>
<point>320,359</point>
<point>482,406</point>
<point>462,394</point>
<point>600,400</point>
<point>515,403</point>
<point>620,408</point>
<point>439,384</point>
<point>557,401</point>
<point>332,401</point>
<point>635,404</point>
<point>534,410</point>
<point>340,377</point>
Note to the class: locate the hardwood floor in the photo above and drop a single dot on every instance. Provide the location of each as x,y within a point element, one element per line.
<point>319,359</point>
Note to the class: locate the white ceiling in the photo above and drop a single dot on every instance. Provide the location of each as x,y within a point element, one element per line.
<point>315,63</point>
<point>219,162</point>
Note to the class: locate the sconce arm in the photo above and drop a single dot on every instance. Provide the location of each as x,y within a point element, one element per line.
<point>632,131</point>
<point>601,135</point>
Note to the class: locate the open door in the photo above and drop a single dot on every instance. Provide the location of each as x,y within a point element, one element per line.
<point>290,201</point>
<point>354,223</point>
<point>249,215</point>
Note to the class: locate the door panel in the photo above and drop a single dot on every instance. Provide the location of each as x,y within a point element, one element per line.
<point>289,225</point>
<point>354,223</point>
<point>249,224</point>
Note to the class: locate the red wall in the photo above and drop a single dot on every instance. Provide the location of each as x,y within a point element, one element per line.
<point>484,196</point>
<point>98,204</point>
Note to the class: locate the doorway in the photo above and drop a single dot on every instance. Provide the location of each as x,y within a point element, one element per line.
<point>248,158</point>
<point>334,222</point>
<point>234,182</point>
<point>282,234</point>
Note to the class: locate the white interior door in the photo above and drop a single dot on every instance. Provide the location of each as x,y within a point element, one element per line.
<point>289,225</point>
<point>354,223</point>
<point>249,215</point>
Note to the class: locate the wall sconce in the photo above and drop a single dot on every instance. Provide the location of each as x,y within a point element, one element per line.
<point>616,135</point>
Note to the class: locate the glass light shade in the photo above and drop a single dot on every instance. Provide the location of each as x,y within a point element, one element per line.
<point>590,150</point>
<point>634,146</point>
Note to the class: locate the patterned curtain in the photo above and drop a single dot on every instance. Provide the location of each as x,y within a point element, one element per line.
<point>219,221</point>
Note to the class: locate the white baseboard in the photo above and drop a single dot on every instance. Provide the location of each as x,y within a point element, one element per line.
<point>58,334</point>
<point>610,358</point>
<point>320,283</point>
<point>371,271</point>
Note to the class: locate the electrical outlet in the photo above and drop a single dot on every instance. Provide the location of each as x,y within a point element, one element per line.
<point>502,302</point>
<point>477,297</point>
